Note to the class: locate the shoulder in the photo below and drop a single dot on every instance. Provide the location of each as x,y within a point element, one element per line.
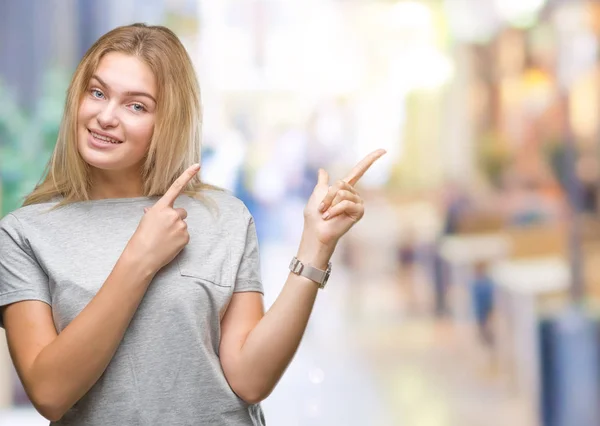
<point>9,222</point>
<point>26,213</point>
<point>11,234</point>
<point>33,211</point>
<point>223,204</point>
<point>220,213</point>
<point>32,216</point>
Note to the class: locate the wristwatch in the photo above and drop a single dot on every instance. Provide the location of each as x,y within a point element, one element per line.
<point>310,272</point>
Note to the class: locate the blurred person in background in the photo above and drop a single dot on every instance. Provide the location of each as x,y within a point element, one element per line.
<point>455,205</point>
<point>130,290</point>
<point>407,252</point>
<point>482,294</point>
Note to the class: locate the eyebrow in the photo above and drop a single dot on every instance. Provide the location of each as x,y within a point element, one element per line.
<point>126,93</point>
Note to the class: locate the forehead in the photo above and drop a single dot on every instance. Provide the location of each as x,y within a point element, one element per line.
<point>126,73</point>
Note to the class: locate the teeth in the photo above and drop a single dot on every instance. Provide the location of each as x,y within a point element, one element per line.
<point>104,138</point>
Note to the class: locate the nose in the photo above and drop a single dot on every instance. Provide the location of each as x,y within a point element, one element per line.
<point>107,117</point>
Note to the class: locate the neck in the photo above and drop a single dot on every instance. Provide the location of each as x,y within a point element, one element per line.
<point>116,184</point>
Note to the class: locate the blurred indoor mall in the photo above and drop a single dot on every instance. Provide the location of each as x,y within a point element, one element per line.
<point>469,294</point>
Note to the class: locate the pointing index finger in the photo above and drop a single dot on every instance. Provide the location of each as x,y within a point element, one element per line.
<point>178,186</point>
<point>359,170</point>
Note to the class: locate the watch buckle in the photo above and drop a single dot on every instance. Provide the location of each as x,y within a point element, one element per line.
<point>296,266</point>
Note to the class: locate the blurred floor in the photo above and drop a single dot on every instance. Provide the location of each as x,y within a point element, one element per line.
<point>371,358</point>
<point>434,373</point>
<point>402,366</point>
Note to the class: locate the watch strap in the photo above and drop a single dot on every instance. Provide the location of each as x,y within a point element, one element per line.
<point>317,275</point>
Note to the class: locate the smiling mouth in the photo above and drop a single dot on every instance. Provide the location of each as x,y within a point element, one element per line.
<point>104,139</point>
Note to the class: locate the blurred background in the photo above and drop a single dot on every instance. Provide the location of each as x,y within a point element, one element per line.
<point>468,295</point>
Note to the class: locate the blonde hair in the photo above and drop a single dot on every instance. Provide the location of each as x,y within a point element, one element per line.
<point>176,140</point>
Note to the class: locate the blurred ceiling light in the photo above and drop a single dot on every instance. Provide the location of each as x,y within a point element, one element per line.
<point>421,68</point>
<point>471,21</point>
<point>410,15</point>
<point>520,13</point>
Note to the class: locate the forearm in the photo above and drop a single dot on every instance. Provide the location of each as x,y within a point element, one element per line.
<point>271,345</point>
<point>267,350</point>
<point>69,366</point>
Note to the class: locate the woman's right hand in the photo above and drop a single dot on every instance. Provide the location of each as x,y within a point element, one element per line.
<point>162,232</point>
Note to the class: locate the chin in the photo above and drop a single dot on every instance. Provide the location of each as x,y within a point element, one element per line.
<point>107,162</point>
<point>100,160</point>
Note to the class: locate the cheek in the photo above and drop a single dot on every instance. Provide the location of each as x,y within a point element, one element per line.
<point>86,111</point>
<point>141,130</point>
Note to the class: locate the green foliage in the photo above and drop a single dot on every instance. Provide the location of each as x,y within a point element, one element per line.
<point>27,138</point>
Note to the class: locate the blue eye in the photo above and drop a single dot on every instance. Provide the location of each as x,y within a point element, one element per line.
<point>97,94</point>
<point>138,107</point>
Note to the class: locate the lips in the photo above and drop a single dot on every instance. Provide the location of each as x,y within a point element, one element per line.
<point>103,138</point>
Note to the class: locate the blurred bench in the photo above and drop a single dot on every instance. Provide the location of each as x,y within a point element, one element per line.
<point>530,268</point>
<point>535,276</point>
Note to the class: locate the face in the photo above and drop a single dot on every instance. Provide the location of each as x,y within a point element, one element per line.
<point>117,114</point>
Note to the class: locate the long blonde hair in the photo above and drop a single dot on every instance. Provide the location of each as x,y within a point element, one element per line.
<point>175,143</point>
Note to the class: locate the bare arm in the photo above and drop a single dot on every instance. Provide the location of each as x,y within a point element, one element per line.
<point>256,349</point>
<point>57,370</point>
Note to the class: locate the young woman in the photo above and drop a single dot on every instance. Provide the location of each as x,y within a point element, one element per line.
<point>130,291</point>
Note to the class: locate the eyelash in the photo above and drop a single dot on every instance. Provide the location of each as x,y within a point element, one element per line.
<point>140,105</point>
<point>95,91</point>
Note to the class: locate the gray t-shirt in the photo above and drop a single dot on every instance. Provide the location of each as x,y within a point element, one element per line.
<point>166,370</point>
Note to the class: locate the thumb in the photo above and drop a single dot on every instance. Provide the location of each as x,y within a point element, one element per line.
<point>323,178</point>
<point>146,209</point>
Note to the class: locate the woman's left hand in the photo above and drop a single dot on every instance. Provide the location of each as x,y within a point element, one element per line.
<point>332,210</point>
